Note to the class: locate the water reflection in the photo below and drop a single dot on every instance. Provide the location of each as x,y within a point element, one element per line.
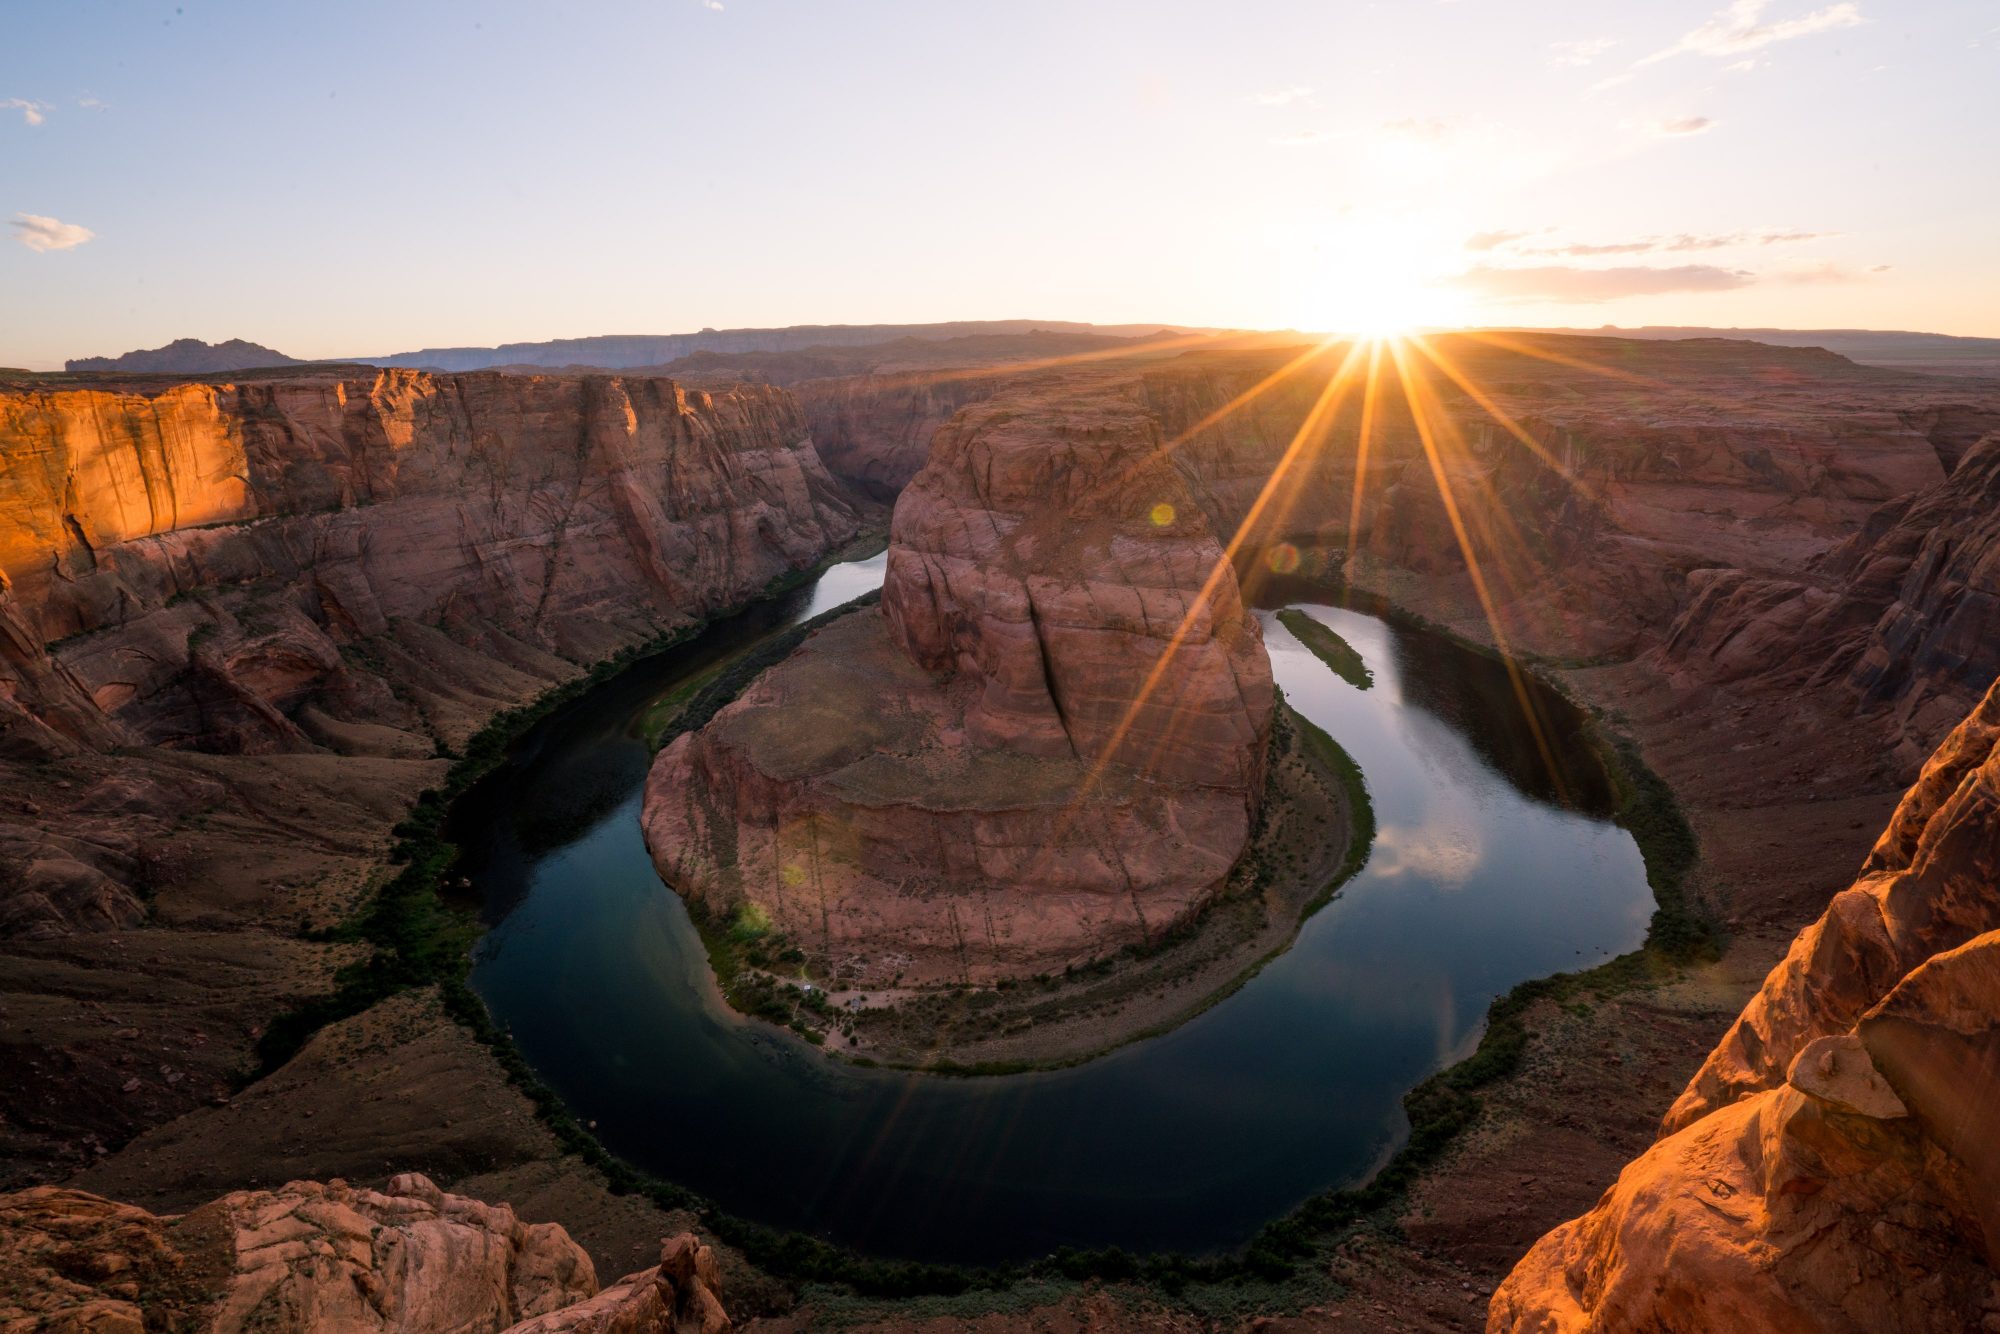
<point>1187,1141</point>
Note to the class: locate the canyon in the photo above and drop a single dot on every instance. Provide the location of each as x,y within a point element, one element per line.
<point>244,623</point>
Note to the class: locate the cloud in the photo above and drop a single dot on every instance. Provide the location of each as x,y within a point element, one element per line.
<point>1304,139</point>
<point>1283,97</point>
<point>43,234</point>
<point>34,113</point>
<point>1679,243</point>
<point>1418,127</point>
<point>1571,283</point>
<point>1493,240</point>
<point>1829,272</point>
<point>1584,250</point>
<point>92,103</point>
<point>1740,29</point>
<point>1682,126</point>
<point>1580,52</point>
<point>715,5</point>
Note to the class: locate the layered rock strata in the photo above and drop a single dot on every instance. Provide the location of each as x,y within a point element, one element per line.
<point>205,558</point>
<point>408,1258</point>
<point>364,563</point>
<point>244,622</point>
<point>1833,1164</point>
<point>1047,744</point>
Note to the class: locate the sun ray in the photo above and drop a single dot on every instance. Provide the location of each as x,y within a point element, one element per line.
<point>1361,444</point>
<point>1438,358</point>
<point>1309,429</point>
<point>1327,400</point>
<point>1426,436</point>
<point>1496,338</point>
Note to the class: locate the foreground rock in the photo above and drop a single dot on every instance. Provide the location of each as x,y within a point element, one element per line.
<point>1048,744</point>
<point>312,1256</point>
<point>1833,1164</point>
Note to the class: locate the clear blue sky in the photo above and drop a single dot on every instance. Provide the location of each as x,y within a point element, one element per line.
<point>367,178</point>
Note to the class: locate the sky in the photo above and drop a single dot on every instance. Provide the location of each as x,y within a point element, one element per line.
<point>360,179</point>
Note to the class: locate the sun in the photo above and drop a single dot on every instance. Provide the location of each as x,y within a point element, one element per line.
<point>1377,280</point>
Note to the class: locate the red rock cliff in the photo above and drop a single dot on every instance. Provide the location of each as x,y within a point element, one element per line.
<point>1833,1165</point>
<point>204,552</point>
<point>989,777</point>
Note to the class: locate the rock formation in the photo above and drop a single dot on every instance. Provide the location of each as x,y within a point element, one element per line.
<point>310,1256</point>
<point>1048,743</point>
<point>1833,1164</point>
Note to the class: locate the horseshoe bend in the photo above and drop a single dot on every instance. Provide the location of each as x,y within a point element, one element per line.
<point>1002,772</point>
<point>1453,784</point>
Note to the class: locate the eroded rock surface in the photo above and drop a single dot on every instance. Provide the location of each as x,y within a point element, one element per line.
<point>1832,1165</point>
<point>306,1256</point>
<point>1006,769</point>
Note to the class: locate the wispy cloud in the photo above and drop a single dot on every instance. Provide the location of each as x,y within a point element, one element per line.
<point>1418,127</point>
<point>1830,272</point>
<point>1573,283</point>
<point>1680,127</point>
<point>1493,240</point>
<point>1283,97</point>
<point>1580,52</point>
<point>43,234</point>
<point>715,5</point>
<point>89,103</point>
<point>1678,243</point>
<point>1741,28</point>
<point>34,113</point>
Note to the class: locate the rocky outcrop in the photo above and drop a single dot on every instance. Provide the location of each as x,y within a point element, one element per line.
<point>1048,743</point>
<point>1832,1165</point>
<point>680,1295</point>
<point>408,1258</point>
<point>1927,887</point>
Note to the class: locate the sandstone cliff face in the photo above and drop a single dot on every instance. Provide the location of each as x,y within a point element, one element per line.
<point>310,1256</point>
<point>874,431</point>
<point>360,562</point>
<point>1904,615</point>
<point>206,554</point>
<point>989,778</point>
<point>1832,1165</point>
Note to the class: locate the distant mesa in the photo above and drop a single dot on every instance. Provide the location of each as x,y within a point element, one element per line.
<point>630,351</point>
<point>187,356</point>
